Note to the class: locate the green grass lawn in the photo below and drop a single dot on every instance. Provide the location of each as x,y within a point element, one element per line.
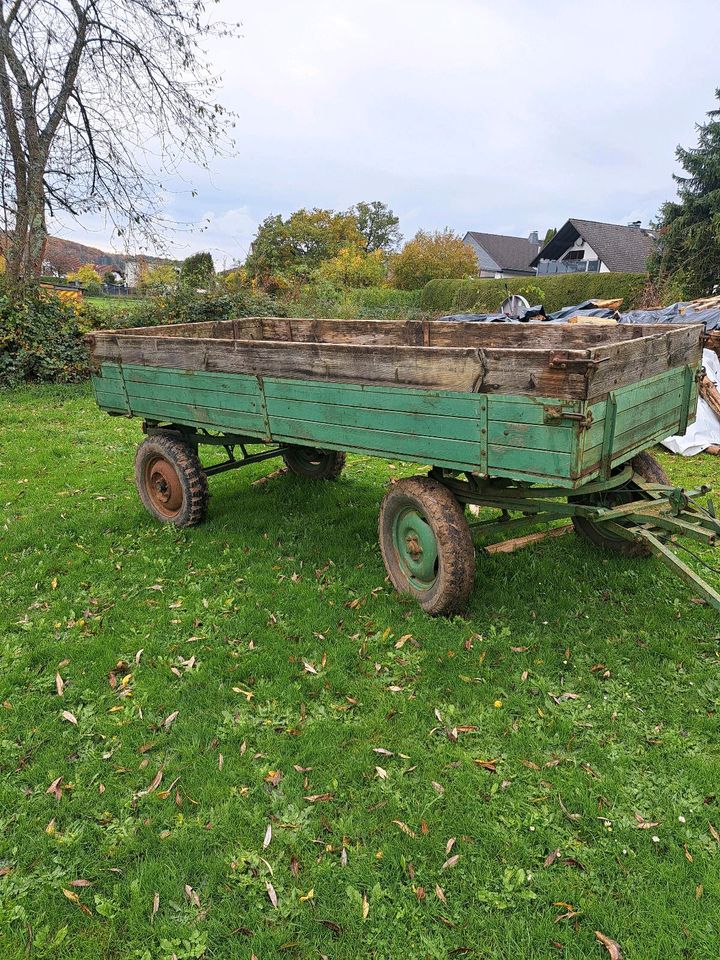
<point>258,748</point>
<point>109,306</point>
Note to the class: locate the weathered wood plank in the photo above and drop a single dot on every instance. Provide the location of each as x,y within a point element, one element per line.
<point>630,362</point>
<point>461,369</point>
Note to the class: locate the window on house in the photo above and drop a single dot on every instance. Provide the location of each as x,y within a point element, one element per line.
<point>574,255</point>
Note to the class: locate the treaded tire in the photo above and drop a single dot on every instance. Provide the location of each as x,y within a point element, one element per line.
<point>432,503</point>
<point>650,470</point>
<point>315,464</point>
<point>171,481</point>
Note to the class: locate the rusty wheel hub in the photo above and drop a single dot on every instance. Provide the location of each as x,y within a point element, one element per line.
<point>163,487</point>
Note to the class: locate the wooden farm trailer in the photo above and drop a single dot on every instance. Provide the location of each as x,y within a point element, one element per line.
<point>540,421</point>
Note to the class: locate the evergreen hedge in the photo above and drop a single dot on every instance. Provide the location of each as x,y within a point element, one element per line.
<point>486,295</point>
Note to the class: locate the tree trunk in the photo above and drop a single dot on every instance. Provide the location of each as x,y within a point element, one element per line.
<point>26,248</point>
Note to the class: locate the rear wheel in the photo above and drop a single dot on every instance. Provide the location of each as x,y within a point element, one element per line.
<point>598,533</point>
<point>426,545</point>
<point>314,464</point>
<point>171,481</point>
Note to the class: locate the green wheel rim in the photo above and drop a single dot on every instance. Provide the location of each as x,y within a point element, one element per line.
<point>416,548</point>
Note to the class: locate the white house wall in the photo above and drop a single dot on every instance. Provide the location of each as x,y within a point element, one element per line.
<point>486,265</point>
<point>588,254</point>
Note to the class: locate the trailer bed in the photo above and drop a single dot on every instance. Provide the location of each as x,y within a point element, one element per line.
<point>538,402</point>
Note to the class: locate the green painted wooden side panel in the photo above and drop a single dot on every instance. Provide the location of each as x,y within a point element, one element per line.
<point>394,421</point>
<point>647,412</point>
<point>503,436</point>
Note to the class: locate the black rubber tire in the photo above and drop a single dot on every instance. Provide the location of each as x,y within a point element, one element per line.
<point>450,592</point>
<point>650,470</point>
<point>315,464</point>
<point>178,458</point>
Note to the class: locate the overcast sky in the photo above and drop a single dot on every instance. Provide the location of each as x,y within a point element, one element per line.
<point>499,116</point>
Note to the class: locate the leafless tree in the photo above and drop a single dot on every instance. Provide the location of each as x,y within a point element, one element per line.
<point>100,100</point>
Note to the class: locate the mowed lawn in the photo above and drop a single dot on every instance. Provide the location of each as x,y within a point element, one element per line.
<point>237,740</point>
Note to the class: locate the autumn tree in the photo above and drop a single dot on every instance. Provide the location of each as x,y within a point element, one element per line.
<point>378,226</point>
<point>689,227</point>
<point>88,278</point>
<point>353,267</point>
<point>92,93</point>
<point>432,256</point>
<point>197,271</point>
<point>300,243</point>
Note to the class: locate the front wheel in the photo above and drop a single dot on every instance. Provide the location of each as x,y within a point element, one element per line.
<point>171,481</point>
<point>314,464</point>
<point>426,545</point>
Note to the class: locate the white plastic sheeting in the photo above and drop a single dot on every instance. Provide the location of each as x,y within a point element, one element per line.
<point>706,429</point>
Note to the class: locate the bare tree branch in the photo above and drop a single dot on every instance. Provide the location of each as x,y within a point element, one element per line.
<point>100,100</point>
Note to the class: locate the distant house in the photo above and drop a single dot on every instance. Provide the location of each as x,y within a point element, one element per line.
<point>500,256</point>
<point>588,246</point>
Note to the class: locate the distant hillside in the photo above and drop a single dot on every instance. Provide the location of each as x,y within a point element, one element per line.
<point>66,256</point>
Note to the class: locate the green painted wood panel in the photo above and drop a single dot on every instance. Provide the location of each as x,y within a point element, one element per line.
<point>394,421</point>
<point>401,400</point>
<point>235,384</point>
<point>529,464</point>
<point>448,429</point>
<point>188,393</point>
<point>457,454</point>
<point>530,437</point>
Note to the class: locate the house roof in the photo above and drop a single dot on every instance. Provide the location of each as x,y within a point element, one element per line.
<point>509,253</point>
<point>622,249</point>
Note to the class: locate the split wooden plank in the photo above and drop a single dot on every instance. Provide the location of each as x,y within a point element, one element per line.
<point>519,543</point>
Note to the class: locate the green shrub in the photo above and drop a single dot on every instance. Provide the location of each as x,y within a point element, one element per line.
<point>186,306</point>
<point>486,295</point>
<point>323,299</point>
<point>41,339</point>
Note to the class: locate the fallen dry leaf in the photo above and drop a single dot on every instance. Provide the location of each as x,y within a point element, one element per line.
<point>271,893</point>
<point>156,781</point>
<point>564,696</point>
<point>714,833</point>
<point>365,906</point>
<point>70,717</point>
<point>612,946</point>
<point>551,858</point>
<point>449,845</point>
<point>381,773</point>
<point>170,719</point>
<point>80,883</point>
<point>319,797</point>
<point>268,837</point>
<point>405,829</point>
<point>74,898</point>
<point>55,789</point>
<point>490,765</point>
<point>643,824</point>
<point>451,862</point>
<point>155,906</point>
<point>192,895</point>
<point>59,684</point>
<point>440,893</point>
